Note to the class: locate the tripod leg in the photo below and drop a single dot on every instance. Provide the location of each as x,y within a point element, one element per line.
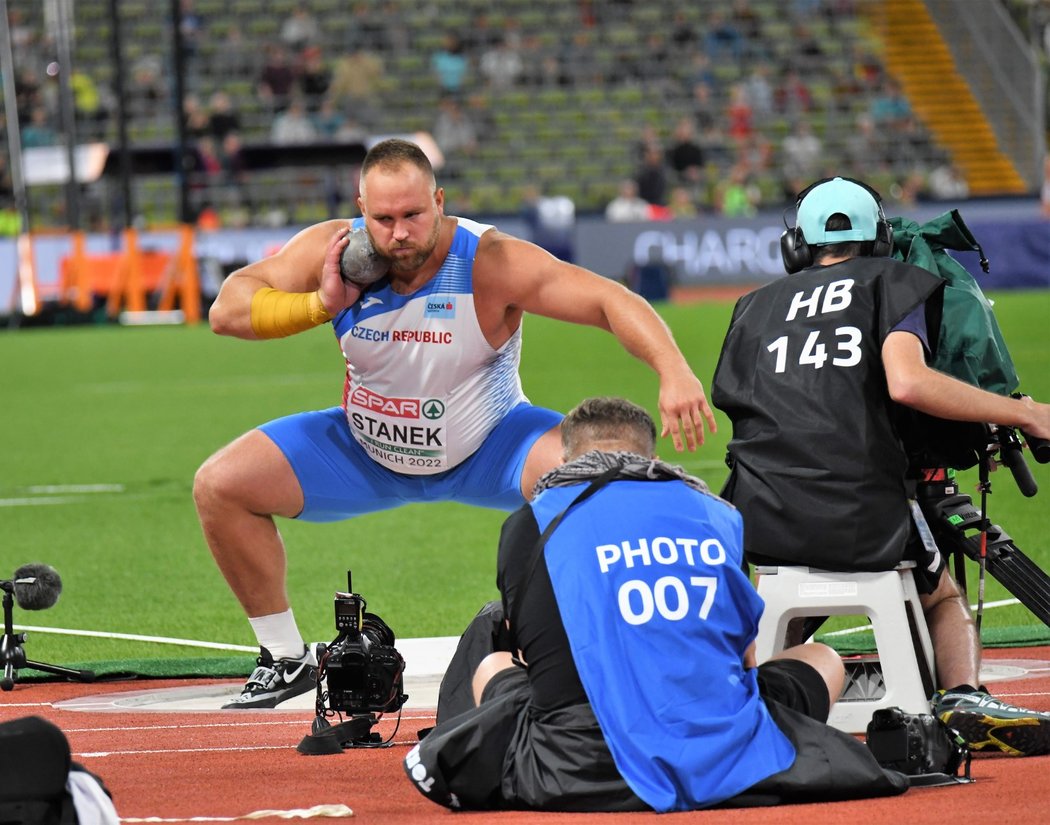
<point>79,675</point>
<point>950,518</point>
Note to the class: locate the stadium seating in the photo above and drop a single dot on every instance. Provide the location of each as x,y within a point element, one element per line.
<point>622,65</point>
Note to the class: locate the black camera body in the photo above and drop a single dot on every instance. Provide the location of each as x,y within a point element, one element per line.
<point>364,671</point>
<point>914,743</point>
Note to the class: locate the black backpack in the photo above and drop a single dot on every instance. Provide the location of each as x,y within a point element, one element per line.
<point>35,762</point>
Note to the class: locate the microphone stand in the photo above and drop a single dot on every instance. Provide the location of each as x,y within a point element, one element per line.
<point>12,654</point>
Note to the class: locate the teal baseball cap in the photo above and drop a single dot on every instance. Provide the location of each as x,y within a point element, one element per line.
<point>835,196</point>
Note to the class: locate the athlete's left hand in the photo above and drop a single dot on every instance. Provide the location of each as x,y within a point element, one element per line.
<point>683,410</point>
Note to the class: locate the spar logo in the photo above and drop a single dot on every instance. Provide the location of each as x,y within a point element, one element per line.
<point>395,407</point>
<point>440,306</point>
<point>433,409</point>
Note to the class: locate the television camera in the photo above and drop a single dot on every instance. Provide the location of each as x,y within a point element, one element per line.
<point>360,674</point>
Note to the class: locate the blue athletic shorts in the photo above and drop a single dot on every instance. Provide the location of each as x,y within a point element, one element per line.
<point>339,480</point>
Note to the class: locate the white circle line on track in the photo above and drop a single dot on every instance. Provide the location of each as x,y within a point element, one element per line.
<point>226,749</point>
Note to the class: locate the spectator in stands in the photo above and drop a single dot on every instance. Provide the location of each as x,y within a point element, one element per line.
<point>685,156</point>
<point>802,153</point>
<point>703,108</point>
<point>38,131</point>
<point>681,203</point>
<point>806,46</point>
<point>723,41</point>
<point>147,89</point>
<point>293,125</point>
<point>91,102</point>
<point>759,91</point>
<point>276,78</point>
<point>501,64</point>
<point>866,148</point>
<point>648,139</point>
<point>328,120</point>
<point>455,135</point>
<point>946,182</point>
<point>739,116</point>
<point>551,220</point>
<point>231,157</point>
<point>451,65</point>
<point>889,107</point>
<point>738,197</point>
<point>314,77</point>
<point>652,177</point>
<point>196,117</point>
<point>358,81</point>
<point>792,97</point>
<point>222,117</point>
<point>207,168</point>
<point>627,206</point>
<point>300,29</point>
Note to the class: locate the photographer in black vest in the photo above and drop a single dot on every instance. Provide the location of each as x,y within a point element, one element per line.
<point>811,373</point>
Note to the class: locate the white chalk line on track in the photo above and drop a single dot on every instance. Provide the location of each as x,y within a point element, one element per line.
<point>329,811</point>
<point>194,726</point>
<point>135,637</point>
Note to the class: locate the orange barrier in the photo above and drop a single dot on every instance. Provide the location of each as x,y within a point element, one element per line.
<point>182,280</point>
<point>126,278</point>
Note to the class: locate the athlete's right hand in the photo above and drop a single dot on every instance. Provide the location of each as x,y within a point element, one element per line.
<point>336,294</point>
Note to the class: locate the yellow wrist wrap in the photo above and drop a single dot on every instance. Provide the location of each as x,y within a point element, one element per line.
<point>277,314</point>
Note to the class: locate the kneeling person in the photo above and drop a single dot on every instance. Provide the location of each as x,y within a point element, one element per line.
<point>635,685</point>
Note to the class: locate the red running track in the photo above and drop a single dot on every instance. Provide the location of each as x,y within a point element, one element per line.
<point>180,766</point>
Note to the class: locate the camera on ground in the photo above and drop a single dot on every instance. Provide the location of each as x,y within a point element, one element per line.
<point>364,671</point>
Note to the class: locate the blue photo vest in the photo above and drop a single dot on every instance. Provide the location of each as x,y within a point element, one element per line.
<point>658,612</point>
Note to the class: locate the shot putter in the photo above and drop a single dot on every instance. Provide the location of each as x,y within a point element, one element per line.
<point>360,264</point>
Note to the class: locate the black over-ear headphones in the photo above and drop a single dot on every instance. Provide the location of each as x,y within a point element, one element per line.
<point>798,254</point>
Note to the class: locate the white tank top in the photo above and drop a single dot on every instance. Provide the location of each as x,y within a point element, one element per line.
<point>423,387</point>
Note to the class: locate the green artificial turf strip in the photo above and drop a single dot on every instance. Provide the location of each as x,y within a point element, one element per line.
<point>134,411</point>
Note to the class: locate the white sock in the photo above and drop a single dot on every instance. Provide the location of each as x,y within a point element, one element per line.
<point>279,634</point>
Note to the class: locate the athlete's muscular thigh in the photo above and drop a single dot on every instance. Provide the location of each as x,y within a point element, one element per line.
<point>252,473</point>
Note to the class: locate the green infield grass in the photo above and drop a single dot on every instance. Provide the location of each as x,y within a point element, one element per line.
<point>104,427</point>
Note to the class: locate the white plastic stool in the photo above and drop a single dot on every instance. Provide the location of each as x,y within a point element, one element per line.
<point>890,600</point>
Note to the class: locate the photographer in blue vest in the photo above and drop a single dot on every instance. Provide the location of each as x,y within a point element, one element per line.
<point>816,372</point>
<point>633,685</point>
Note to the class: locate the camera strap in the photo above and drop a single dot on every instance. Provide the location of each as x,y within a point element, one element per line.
<point>537,549</point>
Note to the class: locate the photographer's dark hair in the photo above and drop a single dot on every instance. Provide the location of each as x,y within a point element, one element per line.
<point>847,249</point>
<point>608,424</point>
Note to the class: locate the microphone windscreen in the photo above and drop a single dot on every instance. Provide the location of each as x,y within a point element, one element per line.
<point>36,586</point>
